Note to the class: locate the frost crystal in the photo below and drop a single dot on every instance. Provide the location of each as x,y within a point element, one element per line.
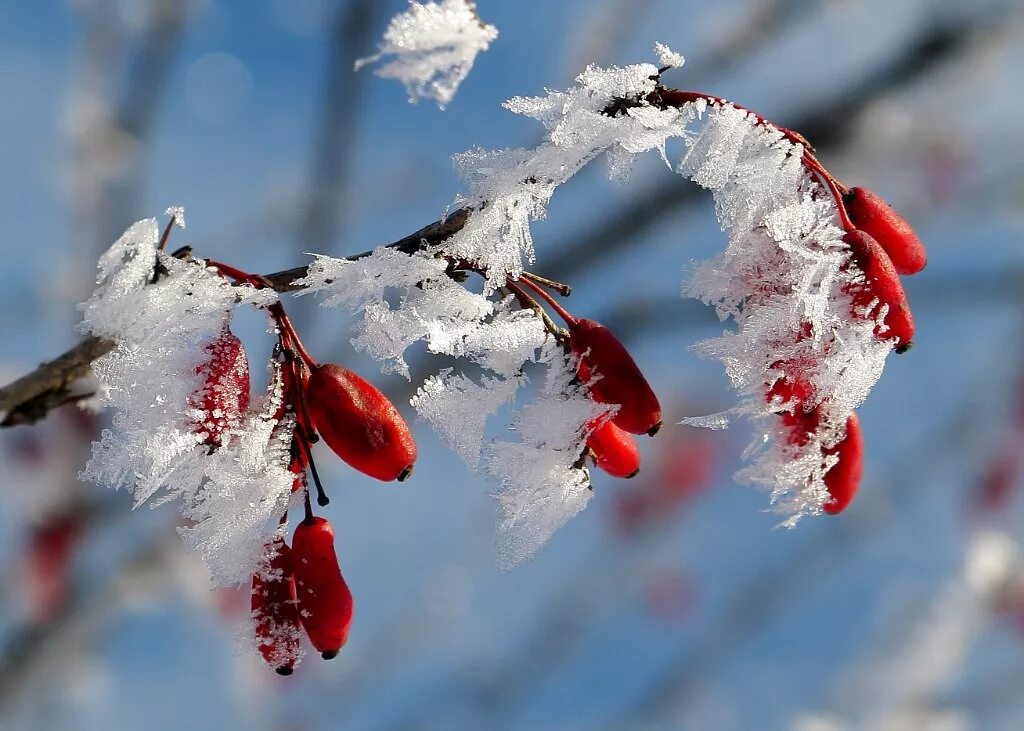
<point>161,326</point>
<point>177,213</point>
<point>433,46</point>
<point>541,485</point>
<point>542,482</point>
<point>782,279</point>
<point>516,185</point>
<point>668,57</point>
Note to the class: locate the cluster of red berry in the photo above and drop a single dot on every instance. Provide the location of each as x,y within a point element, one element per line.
<point>612,377</point>
<point>882,247</point>
<point>302,586</point>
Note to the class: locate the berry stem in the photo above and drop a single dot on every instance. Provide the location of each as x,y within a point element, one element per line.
<point>304,433</point>
<point>563,289</point>
<point>231,272</point>
<point>527,301</point>
<point>308,519</point>
<point>284,324</point>
<point>677,97</point>
<point>561,311</point>
<point>321,496</point>
<point>833,187</point>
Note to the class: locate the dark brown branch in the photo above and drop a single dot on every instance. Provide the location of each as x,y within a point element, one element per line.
<point>35,394</point>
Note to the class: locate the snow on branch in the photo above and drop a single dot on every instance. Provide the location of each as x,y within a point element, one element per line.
<point>431,48</point>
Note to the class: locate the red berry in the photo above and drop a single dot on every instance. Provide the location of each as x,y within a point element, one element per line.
<point>843,479</point>
<point>869,213</point>
<point>275,612</point>
<point>325,603</point>
<point>615,450</point>
<point>882,282</point>
<point>224,396</point>
<point>617,379</point>
<point>359,423</point>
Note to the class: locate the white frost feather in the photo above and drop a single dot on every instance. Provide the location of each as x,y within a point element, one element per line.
<point>431,48</point>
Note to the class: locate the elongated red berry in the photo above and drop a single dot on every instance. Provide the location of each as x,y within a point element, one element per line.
<point>615,450</point>
<point>882,282</point>
<point>359,423</point>
<point>843,479</point>
<point>325,603</point>
<point>223,397</point>
<point>871,214</point>
<point>614,377</point>
<point>275,611</point>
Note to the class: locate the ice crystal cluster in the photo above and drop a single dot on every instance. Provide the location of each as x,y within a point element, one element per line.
<point>431,47</point>
<point>782,280</point>
<point>161,312</point>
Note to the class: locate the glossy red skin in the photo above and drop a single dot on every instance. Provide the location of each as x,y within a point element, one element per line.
<point>359,423</point>
<point>882,282</point>
<point>621,381</point>
<point>843,479</point>
<point>275,612</point>
<point>615,450</point>
<point>325,602</point>
<point>224,395</point>
<point>871,214</point>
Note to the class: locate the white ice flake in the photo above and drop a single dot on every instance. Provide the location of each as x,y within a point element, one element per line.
<point>177,214</point>
<point>246,488</point>
<point>431,47</point>
<point>668,57</point>
<point>160,327</point>
<point>542,482</point>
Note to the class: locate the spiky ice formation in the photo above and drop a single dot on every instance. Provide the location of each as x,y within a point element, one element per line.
<point>161,326</point>
<point>431,48</point>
